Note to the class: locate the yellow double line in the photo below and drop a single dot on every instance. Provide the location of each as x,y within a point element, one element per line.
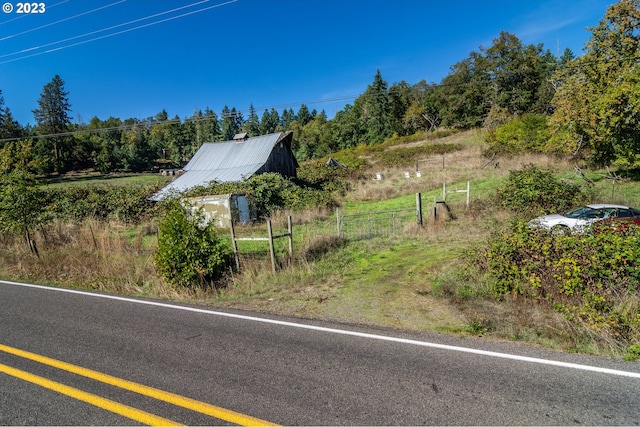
<point>115,407</point>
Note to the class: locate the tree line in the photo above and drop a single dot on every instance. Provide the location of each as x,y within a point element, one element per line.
<point>580,105</point>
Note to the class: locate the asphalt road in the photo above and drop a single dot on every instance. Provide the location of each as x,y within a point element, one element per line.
<point>78,358</point>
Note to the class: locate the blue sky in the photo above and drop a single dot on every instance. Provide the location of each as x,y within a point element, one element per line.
<point>117,58</point>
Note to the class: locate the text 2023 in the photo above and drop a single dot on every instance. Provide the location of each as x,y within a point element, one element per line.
<point>31,7</point>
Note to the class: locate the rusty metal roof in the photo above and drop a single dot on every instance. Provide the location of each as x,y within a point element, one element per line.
<point>221,162</point>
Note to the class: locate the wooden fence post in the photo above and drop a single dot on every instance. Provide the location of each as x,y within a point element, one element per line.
<point>468,188</point>
<point>271,248</point>
<point>235,246</point>
<point>290,230</point>
<point>419,208</point>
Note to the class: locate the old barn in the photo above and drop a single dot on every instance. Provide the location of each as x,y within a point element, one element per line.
<point>235,160</point>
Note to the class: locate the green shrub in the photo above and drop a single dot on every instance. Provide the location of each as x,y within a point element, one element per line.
<point>189,254</point>
<point>526,134</point>
<point>533,192</point>
<point>591,278</point>
<point>21,203</point>
<point>633,353</point>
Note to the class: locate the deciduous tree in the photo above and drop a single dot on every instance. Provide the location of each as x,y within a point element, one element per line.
<point>598,96</point>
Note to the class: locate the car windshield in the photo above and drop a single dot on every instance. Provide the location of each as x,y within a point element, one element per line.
<point>578,213</point>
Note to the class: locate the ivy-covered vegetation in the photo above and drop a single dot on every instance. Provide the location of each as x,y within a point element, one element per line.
<point>592,278</point>
<point>532,191</point>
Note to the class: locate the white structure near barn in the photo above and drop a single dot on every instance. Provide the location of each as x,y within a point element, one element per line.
<point>224,208</point>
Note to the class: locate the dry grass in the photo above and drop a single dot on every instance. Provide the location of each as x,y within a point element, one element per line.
<point>468,164</point>
<point>91,255</point>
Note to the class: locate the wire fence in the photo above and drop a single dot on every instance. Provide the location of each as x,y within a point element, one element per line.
<point>382,223</point>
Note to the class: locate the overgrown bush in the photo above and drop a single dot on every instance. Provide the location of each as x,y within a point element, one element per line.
<point>129,204</point>
<point>591,278</point>
<point>189,254</point>
<point>272,191</point>
<point>526,134</point>
<point>532,191</point>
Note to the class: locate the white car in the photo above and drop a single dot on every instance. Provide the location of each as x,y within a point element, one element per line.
<point>580,218</point>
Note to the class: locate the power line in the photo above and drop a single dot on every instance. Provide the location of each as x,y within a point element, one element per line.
<point>61,20</point>
<point>97,31</point>
<point>111,28</point>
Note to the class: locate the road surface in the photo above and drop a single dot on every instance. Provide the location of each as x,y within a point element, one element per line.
<point>77,358</point>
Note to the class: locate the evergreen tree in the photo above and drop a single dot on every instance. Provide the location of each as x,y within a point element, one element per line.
<point>287,117</point>
<point>211,128</point>
<point>269,122</point>
<point>375,110</point>
<point>252,125</point>
<point>3,116</point>
<point>400,98</point>
<point>275,119</point>
<point>52,118</point>
<point>304,116</point>
<point>9,128</point>
<point>230,123</point>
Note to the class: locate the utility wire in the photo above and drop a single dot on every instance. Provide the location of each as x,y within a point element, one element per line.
<point>104,29</point>
<point>111,28</point>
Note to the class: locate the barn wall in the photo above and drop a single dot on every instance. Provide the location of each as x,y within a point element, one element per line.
<point>281,160</point>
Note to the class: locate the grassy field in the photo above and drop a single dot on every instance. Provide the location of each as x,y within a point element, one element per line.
<point>419,279</point>
<point>96,178</point>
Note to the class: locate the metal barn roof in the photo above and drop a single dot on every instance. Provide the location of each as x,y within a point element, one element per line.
<point>221,162</point>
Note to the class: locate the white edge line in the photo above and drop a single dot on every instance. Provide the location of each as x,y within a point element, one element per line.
<point>341,331</point>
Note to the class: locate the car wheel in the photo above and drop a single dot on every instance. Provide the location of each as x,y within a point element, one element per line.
<point>559,229</point>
